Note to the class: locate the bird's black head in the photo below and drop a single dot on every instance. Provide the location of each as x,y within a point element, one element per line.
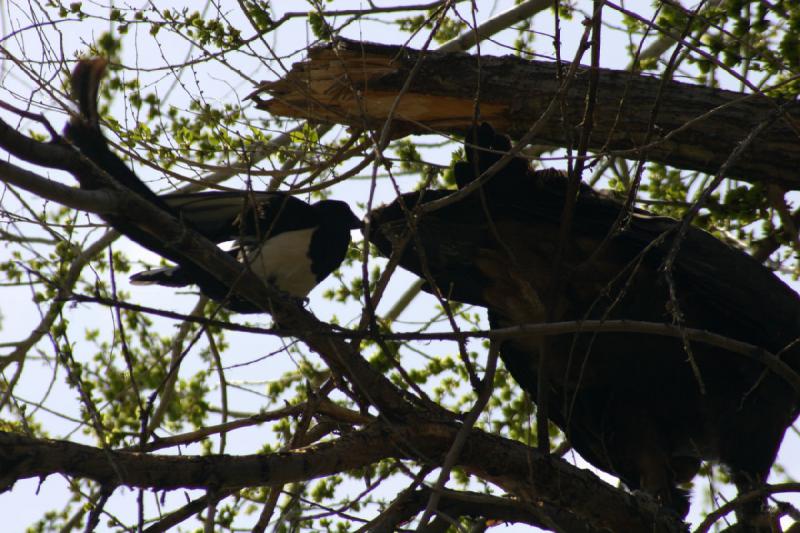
<point>338,213</point>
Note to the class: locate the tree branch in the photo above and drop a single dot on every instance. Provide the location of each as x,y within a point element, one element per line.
<point>24,457</point>
<point>533,477</point>
<point>696,126</point>
<point>99,202</point>
<point>763,356</point>
<point>498,23</point>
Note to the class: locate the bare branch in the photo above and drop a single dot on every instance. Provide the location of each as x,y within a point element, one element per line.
<point>441,99</point>
<point>515,467</point>
<point>494,25</point>
<point>99,202</point>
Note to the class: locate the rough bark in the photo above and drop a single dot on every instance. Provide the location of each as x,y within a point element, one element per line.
<point>547,482</point>
<point>696,127</point>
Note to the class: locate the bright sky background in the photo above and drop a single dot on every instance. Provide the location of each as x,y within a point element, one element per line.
<point>27,501</point>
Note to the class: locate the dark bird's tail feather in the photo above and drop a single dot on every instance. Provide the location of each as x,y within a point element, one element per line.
<point>83,131</point>
<point>166,276</point>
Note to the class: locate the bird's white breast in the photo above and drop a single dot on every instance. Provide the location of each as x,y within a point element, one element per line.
<point>283,261</point>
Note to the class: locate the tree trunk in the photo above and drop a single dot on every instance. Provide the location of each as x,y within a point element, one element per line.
<point>695,127</point>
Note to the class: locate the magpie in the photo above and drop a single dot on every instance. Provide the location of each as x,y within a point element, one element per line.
<point>284,240</point>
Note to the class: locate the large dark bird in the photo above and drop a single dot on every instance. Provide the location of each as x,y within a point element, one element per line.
<point>630,403</point>
<point>285,241</point>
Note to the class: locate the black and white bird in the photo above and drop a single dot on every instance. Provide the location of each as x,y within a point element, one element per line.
<point>285,241</point>
<point>282,239</point>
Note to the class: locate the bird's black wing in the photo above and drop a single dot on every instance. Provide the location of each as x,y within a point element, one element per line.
<point>739,293</point>
<point>710,273</point>
<point>246,216</point>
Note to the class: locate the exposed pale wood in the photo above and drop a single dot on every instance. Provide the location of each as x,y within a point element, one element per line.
<point>335,86</point>
<point>356,84</point>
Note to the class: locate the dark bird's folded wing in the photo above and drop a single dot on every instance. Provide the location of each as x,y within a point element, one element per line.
<point>224,216</point>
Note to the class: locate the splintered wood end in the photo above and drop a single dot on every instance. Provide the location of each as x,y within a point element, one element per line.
<point>343,85</point>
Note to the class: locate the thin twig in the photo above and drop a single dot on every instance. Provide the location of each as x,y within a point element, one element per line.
<point>451,459</point>
<point>732,505</point>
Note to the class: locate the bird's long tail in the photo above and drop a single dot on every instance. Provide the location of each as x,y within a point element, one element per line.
<point>83,131</point>
<point>166,276</point>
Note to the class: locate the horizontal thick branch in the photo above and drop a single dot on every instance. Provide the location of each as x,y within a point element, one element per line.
<point>534,478</point>
<point>23,457</point>
<point>696,127</point>
<point>454,504</point>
